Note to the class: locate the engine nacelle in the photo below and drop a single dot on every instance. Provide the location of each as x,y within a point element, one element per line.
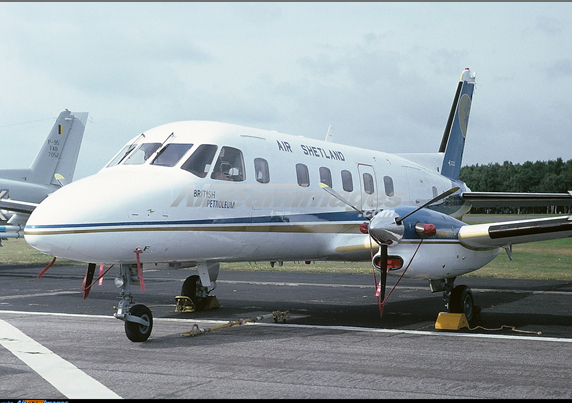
<point>424,223</point>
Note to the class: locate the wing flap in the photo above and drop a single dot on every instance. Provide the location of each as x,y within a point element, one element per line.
<point>515,232</point>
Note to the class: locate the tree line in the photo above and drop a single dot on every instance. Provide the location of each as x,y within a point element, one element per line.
<point>529,177</point>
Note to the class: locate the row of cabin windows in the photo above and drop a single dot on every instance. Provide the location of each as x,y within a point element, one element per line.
<point>303,176</point>
<point>230,165</point>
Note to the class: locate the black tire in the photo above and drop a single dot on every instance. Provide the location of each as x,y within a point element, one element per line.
<point>461,301</point>
<point>135,331</point>
<point>189,289</point>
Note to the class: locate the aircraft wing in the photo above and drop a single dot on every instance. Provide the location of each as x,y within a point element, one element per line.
<point>507,233</point>
<point>17,206</point>
<point>503,199</point>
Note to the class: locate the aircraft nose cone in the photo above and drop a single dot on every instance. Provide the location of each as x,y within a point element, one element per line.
<point>52,225</point>
<point>41,231</point>
<point>97,219</point>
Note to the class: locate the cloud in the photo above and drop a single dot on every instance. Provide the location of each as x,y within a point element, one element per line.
<point>383,73</point>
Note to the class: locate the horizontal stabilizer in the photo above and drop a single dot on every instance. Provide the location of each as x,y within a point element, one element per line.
<point>502,199</point>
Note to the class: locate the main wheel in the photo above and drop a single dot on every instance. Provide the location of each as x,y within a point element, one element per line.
<point>190,288</point>
<point>135,331</point>
<point>461,301</point>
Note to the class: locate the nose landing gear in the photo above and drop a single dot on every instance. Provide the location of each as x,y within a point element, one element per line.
<point>138,318</point>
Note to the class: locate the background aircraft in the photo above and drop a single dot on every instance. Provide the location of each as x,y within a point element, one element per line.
<point>53,167</point>
<point>198,193</point>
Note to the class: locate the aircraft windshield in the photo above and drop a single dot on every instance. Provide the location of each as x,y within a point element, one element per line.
<point>122,154</point>
<point>171,154</point>
<point>141,155</point>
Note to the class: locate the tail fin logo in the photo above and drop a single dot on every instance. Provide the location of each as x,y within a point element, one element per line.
<point>464,110</point>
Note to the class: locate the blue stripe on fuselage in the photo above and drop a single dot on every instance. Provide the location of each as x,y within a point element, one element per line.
<point>296,218</point>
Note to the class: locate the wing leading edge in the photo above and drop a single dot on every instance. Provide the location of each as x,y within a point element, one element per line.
<point>506,233</point>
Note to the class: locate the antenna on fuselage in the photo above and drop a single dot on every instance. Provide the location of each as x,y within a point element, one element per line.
<point>330,133</point>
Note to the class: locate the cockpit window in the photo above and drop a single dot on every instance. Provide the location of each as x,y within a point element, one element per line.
<point>200,161</point>
<point>121,155</point>
<point>171,154</point>
<point>143,153</point>
<point>229,165</point>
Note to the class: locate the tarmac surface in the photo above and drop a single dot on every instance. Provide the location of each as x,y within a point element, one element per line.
<point>55,345</point>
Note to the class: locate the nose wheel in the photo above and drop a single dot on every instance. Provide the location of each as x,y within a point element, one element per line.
<point>138,318</point>
<point>138,331</point>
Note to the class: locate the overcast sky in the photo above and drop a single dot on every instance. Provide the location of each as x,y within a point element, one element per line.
<point>384,74</point>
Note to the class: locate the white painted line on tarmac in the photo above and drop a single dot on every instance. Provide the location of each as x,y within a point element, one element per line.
<point>64,376</point>
<point>538,338</point>
<point>422,332</point>
<point>400,287</point>
<point>43,294</point>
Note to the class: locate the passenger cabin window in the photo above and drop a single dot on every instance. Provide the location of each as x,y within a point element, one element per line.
<point>171,154</point>
<point>303,175</point>
<point>199,163</point>
<point>261,170</point>
<point>368,186</point>
<point>388,184</point>
<point>347,181</point>
<point>326,176</point>
<point>142,154</point>
<point>229,165</point>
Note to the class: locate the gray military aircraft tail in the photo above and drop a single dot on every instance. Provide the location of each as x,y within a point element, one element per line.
<point>52,168</point>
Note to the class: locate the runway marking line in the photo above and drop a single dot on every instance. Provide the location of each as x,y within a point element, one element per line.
<point>64,376</point>
<point>405,287</point>
<point>43,294</point>
<point>342,328</point>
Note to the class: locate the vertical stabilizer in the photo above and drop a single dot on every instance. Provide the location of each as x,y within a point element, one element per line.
<point>453,141</point>
<point>60,151</point>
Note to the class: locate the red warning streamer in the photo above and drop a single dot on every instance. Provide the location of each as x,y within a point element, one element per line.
<point>139,271</point>
<point>46,268</point>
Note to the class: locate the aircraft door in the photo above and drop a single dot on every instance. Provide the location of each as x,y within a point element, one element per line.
<point>369,193</point>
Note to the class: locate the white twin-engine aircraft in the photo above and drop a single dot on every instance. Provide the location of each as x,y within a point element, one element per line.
<point>200,193</point>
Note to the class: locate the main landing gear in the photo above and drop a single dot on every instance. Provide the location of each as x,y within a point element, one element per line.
<point>139,319</point>
<point>457,299</point>
<point>197,289</point>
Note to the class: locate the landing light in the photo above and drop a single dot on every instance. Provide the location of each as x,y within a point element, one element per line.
<point>118,282</point>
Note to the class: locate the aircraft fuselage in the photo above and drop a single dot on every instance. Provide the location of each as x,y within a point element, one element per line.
<point>242,194</point>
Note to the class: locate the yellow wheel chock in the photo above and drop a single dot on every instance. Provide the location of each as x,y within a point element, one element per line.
<point>451,321</point>
<point>184,304</point>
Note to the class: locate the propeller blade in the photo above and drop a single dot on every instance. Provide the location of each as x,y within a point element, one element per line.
<point>449,192</point>
<point>383,279</point>
<point>86,286</point>
<point>341,198</point>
